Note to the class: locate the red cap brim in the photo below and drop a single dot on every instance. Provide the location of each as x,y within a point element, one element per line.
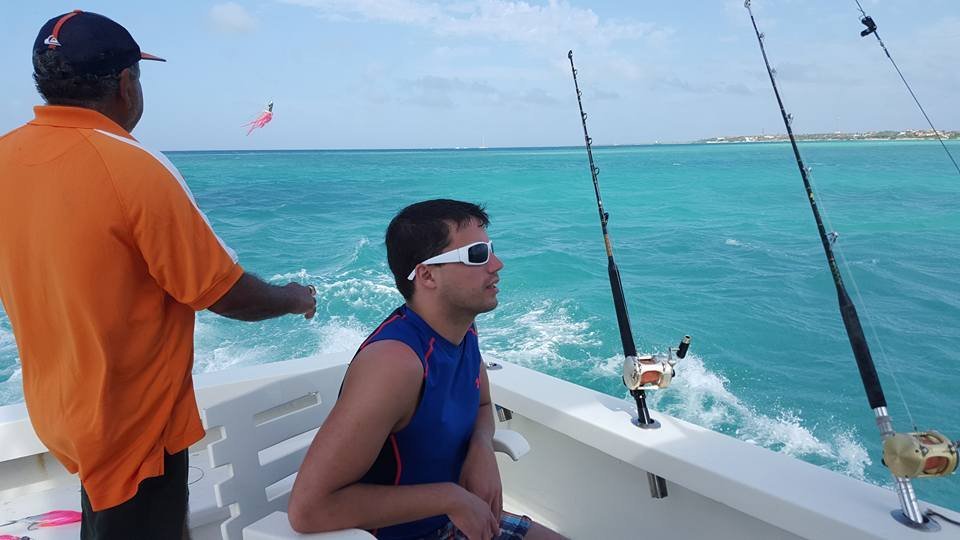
<point>148,56</point>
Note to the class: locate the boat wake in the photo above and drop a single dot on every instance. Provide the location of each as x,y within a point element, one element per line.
<point>549,336</point>
<point>545,336</point>
<point>702,397</point>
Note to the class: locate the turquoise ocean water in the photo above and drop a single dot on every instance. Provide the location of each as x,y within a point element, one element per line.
<point>716,241</point>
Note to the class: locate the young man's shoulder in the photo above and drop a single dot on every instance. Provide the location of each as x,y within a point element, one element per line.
<point>388,356</point>
<point>385,376</point>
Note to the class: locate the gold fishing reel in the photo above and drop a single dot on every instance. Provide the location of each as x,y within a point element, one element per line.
<point>920,455</point>
<point>653,372</point>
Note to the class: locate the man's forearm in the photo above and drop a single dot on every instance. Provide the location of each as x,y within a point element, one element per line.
<point>370,506</point>
<point>252,299</point>
<point>484,427</point>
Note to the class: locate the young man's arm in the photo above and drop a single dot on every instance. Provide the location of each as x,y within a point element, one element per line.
<point>379,396</point>
<point>480,474</point>
<point>252,299</point>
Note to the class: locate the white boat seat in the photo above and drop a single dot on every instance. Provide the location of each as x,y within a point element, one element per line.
<point>276,526</point>
<point>261,438</point>
<point>202,479</point>
<point>510,443</point>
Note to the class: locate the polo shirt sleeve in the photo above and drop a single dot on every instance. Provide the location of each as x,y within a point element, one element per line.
<point>182,252</point>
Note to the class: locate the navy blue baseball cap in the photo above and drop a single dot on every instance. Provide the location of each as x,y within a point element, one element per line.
<point>90,43</point>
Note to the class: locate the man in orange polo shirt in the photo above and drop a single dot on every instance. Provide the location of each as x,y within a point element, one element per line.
<point>104,260</point>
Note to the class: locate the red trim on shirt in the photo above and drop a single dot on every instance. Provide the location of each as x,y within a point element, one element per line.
<point>426,359</point>
<point>396,456</point>
<point>379,328</point>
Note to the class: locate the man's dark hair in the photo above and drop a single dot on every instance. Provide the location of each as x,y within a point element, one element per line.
<point>60,84</point>
<point>421,231</point>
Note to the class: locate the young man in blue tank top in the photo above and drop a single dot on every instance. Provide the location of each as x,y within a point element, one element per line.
<point>407,451</point>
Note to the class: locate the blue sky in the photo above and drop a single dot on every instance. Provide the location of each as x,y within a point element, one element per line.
<point>413,74</point>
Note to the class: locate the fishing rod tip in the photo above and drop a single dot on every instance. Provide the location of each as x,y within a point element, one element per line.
<point>570,54</point>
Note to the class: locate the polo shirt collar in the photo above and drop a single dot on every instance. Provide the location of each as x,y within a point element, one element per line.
<point>76,117</point>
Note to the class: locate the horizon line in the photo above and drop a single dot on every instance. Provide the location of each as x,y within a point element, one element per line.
<point>702,142</point>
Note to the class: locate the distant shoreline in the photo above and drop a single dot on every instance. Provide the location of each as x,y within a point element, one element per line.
<point>868,136</point>
<point>906,135</point>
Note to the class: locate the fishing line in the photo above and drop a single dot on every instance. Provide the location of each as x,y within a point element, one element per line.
<point>868,21</point>
<point>864,309</point>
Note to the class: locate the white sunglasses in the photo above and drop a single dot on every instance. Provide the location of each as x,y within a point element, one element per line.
<point>475,254</point>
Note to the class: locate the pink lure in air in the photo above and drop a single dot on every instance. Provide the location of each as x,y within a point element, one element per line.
<point>265,117</point>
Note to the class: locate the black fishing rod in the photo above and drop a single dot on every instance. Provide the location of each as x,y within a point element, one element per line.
<point>640,373</point>
<point>907,455</point>
<point>871,28</point>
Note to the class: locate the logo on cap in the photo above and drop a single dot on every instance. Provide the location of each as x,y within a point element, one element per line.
<point>52,41</point>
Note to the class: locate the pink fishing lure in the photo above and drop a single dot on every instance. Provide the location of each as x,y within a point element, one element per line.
<point>265,117</point>
<point>53,518</point>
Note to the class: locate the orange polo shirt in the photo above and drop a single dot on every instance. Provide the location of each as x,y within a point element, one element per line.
<point>104,258</point>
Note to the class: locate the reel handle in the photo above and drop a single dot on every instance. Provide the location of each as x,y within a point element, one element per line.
<point>682,348</point>
<point>680,351</point>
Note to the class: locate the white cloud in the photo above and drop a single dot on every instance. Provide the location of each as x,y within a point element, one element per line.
<point>503,20</point>
<point>232,17</point>
<point>396,11</point>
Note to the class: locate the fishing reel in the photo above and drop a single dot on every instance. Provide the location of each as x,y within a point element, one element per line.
<point>923,454</point>
<point>653,372</point>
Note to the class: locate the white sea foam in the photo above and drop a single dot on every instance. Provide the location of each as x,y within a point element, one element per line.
<point>341,335</point>
<point>229,355</point>
<point>700,396</point>
<point>337,334</point>
<point>357,250</point>
<point>363,289</point>
<point>732,242</point>
<point>223,344</point>
<point>301,275</point>
<point>534,336</point>
<point>852,455</point>
<point>374,291</point>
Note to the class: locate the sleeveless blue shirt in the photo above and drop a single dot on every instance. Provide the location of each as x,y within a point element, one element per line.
<point>433,446</point>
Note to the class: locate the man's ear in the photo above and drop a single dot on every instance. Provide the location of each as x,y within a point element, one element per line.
<point>425,276</point>
<point>128,83</point>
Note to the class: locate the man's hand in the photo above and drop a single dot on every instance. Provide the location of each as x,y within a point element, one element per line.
<point>472,516</point>
<point>481,476</point>
<point>303,300</point>
<point>252,299</point>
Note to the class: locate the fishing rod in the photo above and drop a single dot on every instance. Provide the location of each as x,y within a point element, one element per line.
<point>871,28</point>
<point>640,373</point>
<point>907,455</point>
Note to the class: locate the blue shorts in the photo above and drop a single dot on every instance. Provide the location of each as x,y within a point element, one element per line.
<point>511,528</point>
